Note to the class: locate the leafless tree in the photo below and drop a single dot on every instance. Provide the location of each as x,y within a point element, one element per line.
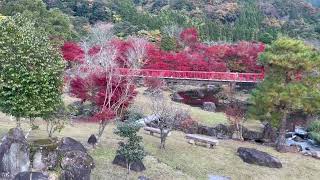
<point>168,116</point>
<point>105,61</point>
<point>172,31</point>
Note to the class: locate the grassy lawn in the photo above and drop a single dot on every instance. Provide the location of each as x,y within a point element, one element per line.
<point>181,160</point>
<point>203,117</point>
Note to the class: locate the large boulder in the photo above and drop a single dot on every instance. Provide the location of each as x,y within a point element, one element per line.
<point>76,165</point>
<point>221,131</point>
<point>137,166</point>
<point>251,135</point>
<point>269,132</point>
<point>253,156</point>
<point>68,144</point>
<point>31,176</point>
<point>209,106</point>
<point>14,153</point>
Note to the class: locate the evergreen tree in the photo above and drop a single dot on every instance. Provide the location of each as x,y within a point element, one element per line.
<point>132,149</point>
<point>291,84</point>
<point>30,70</point>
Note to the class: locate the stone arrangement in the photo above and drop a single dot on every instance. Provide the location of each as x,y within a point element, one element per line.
<point>39,160</point>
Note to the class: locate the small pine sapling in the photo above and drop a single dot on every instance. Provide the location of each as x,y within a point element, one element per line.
<point>131,148</point>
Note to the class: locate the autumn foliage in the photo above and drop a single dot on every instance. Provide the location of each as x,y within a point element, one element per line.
<point>90,85</point>
<point>91,82</point>
<point>197,56</point>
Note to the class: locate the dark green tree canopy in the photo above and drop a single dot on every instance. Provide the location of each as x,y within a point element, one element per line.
<point>56,23</point>
<point>283,91</point>
<point>30,70</point>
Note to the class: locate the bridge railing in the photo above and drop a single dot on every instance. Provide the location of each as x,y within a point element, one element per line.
<point>194,75</point>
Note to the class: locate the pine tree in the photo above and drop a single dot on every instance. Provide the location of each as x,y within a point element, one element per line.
<point>291,84</point>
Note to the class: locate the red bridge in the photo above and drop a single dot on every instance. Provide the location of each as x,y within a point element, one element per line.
<point>196,75</point>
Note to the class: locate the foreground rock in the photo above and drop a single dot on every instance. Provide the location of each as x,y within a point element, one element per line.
<point>214,177</point>
<point>14,153</point>
<point>76,165</point>
<point>31,176</point>
<point>45,154</point>
<point>137,166</point>
<point>253,156</point>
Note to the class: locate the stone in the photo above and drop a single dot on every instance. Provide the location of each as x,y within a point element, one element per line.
<point>92,140</point>
<point>298,139</point>
<point>137,166</point>
<point>143,178</point>
<point>31,176</point>
<point>14,153</point>
<point>214,177</point>
<point>315,154</point>
<point>68,144</point>
<point>209,106</point>
<point>289,134</point>
<point>176,97</point>
<point>76,165</point>
<point>294,148</point>
<point>251,135</point>
<point>221,130</point>
<point>46,154</point>
<point>299,131</point>
<point>37,163</point>
<point>51,160</point>
<point>253,156</point>
<point>269,132</point>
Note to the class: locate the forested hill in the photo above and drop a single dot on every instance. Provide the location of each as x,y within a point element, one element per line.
<point>216,20</point>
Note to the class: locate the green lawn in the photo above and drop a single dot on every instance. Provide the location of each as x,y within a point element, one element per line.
<point>181,160</point>
<point>203,117</point>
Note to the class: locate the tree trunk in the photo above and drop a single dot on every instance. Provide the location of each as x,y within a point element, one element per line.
<point>102,126</point>
<point>18,120</point>
<point>281,143</point>
<point>129,168</point>
<point>163,139</point>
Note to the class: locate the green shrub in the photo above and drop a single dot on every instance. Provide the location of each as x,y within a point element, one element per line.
<point>168,43</point>
<point>314,129</point>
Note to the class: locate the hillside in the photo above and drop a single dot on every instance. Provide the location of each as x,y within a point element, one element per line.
<point>217,20</point>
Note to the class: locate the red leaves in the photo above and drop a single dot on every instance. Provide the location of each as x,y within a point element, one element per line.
<point>189,36</point>
<point>72,52</point>
<point>235,112</point>
<point>153,83</point>
<point>104,115</point>
<point>240,57</point>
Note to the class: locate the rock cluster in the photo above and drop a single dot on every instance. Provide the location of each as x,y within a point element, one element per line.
<point>69,154</point>
<point>14,154</point>
<point>137,166</point>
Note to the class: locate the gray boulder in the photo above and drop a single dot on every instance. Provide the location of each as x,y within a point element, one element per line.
<point>253,156</point>
<point>209,106</point>
<point>31,176</point>
<point>68,144</point>
<point>137,166</point>
<point>214,177</point>
<point>14,153</point>
<point>76,165</point>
